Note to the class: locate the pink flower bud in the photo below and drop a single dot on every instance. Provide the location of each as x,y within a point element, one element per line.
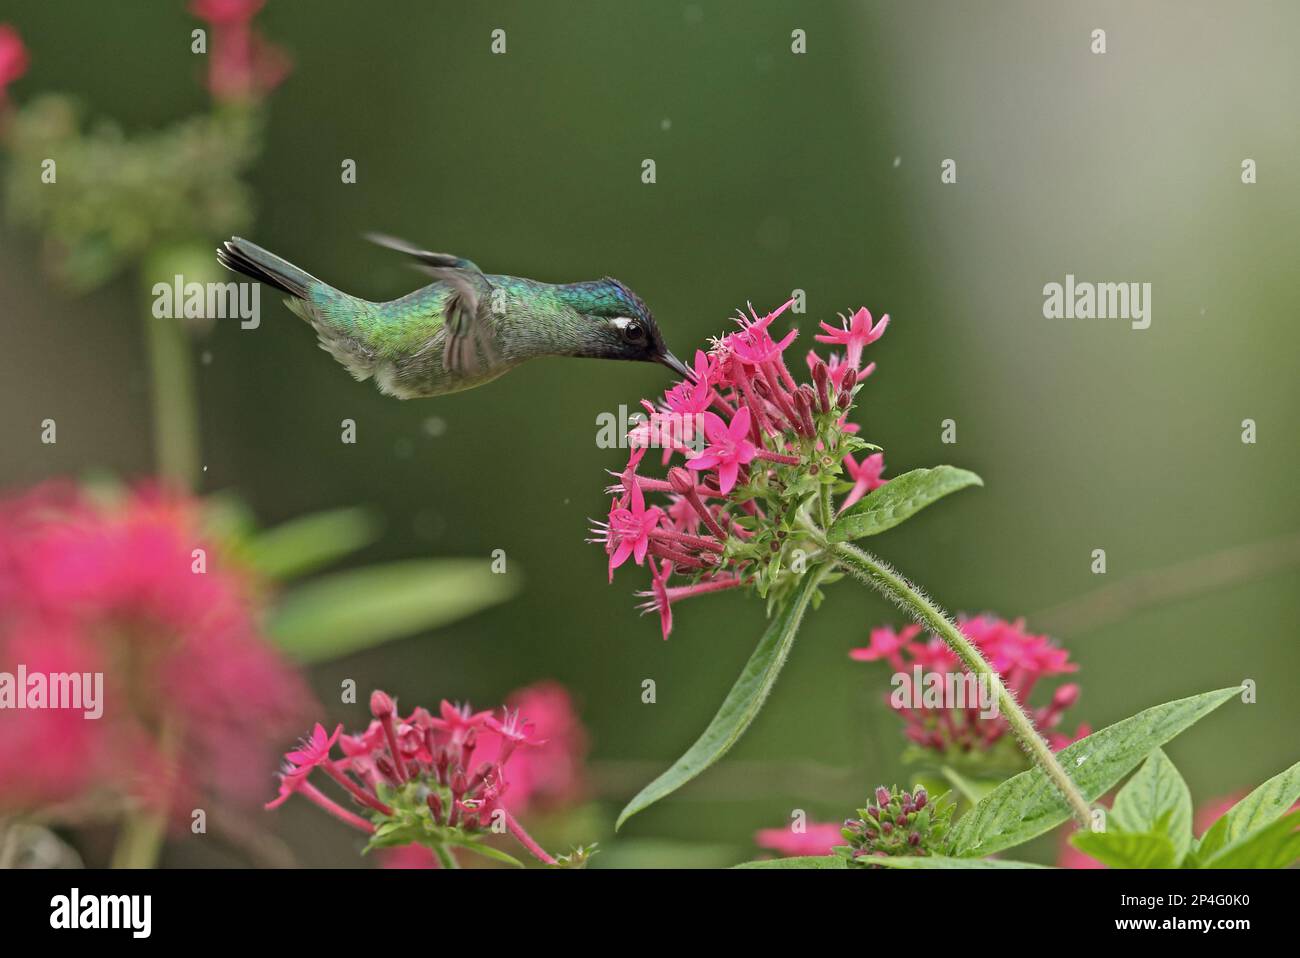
<point>1065,696</point>
<point>882,795</point>
<point>381,704</point>
<point>681,480</point>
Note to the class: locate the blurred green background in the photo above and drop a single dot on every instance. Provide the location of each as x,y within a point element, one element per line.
<point>775,171</point>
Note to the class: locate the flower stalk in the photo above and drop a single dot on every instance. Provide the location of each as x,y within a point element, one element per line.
<point>885,580</point>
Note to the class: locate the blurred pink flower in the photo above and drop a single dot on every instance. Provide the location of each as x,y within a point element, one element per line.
<point>226,12</point>
<point>87,586</point>
<point>818,838</point>
<point>13,58</point>
<point>1020,657</point>
<point>886,644</point>
<point>552,773</point>
<point>242,65</point>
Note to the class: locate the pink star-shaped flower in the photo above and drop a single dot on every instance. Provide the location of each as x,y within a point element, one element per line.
<point>312,751</point>
<point>629,529</point>
<point>729,447</point>
<point>855,334</point>
<point>514,731</point>
<point>458,719</point>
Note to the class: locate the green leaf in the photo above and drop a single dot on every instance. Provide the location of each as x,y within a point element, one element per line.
<point>1155,801</point>
<point>1257,810</point>
<point>1276,845</point>
<point>309,542</point>
<point>1027,805</point>
<point>899,499</point>
<point>806,861</point>
<point>742,703</point>
<point>944,862</point>
<point>349,611</point>
<point>1128,849</point>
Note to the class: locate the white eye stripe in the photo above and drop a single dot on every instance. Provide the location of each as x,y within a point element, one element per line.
<point>633,330</point>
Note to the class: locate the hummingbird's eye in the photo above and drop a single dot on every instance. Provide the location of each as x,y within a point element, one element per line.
<point>634,332</point>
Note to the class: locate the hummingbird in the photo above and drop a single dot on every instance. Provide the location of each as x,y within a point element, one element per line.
<point>466,328</point>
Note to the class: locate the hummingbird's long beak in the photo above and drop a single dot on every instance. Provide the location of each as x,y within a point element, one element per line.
<point>677,366</point>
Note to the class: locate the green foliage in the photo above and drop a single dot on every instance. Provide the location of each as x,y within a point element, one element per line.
<point>349,611</point>
<point>898,500</point>
<point>119,197</point>
<point>1150,825</point>
<point>1028,805</point>
<point>1234,835</point>
<point>1156,800</point>
<point>309,542</point>
<point>1124,850</point>
<point>742,703</point>
<point>1276,845</point>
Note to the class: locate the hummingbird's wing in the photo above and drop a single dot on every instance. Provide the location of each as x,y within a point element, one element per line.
<point>424,258</point>
<point>469,334</point>
<point>471,339</point>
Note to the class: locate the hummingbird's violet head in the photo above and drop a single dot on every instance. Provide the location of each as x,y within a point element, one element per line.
<point>622,326</point>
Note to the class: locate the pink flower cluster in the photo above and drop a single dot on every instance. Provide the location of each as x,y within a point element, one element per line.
<point>13,59</point>
<point>547,777</point>
<point>242,65</point>
<point>746,431</point>
<point>87,586</point>
<point>1020,657</point>
<point>457,758</point>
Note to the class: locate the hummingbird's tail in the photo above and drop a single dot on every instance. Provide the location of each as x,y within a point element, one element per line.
<point>240,255</point>
<point>340,320</point>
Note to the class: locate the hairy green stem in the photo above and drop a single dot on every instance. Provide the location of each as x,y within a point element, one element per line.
<point>877,574</point>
